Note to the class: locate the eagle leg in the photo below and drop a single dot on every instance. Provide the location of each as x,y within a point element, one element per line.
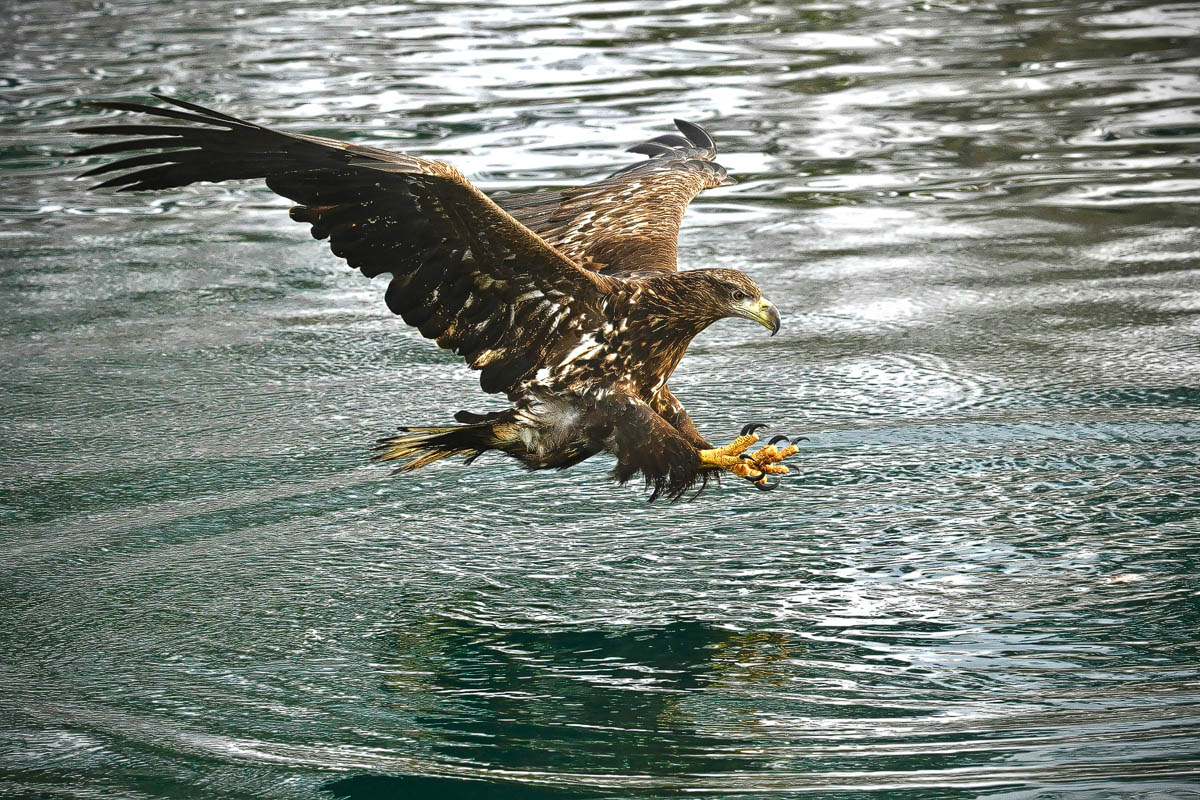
<point>756,466</point>
<point>730,455</point>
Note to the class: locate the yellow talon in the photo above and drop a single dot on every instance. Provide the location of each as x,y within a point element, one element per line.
<point>744,469</point>
<point>754,467</point>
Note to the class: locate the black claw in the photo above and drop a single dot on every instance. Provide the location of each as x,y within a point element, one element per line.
<point>775,439</point>
<point>746,457</point>
<point>752,427</point>
<point>800,439</point>
<point>763,486</point>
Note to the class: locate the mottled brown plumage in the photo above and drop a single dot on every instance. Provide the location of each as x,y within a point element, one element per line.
<point>567,301</point>
<point>628,223</point>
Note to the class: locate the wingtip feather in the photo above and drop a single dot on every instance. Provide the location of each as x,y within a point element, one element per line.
<point>650,149</point>
<point>214,116</point>
<point>696,135</point>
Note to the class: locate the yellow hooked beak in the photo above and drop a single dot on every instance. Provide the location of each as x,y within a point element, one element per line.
<point>761,311</point>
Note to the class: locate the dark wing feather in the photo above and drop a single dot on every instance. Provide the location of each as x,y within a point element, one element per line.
<point>628,223</point>
<point>465,273</point>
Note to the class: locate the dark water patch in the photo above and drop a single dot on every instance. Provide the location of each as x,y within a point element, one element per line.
<point>377,787</point>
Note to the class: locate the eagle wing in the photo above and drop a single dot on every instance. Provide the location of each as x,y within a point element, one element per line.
<point>465,272</point>
<point>628,223</point>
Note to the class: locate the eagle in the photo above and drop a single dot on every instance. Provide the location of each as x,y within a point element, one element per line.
<point>567,301</point>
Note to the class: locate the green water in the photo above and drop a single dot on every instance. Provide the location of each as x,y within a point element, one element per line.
<point>980,222</point>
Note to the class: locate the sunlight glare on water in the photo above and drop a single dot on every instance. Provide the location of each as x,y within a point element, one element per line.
<point>979,221</point>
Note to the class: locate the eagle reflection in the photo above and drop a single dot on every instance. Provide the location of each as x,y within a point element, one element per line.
<point>621,701</point>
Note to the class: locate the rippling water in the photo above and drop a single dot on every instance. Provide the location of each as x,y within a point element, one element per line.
<point>980,222</point>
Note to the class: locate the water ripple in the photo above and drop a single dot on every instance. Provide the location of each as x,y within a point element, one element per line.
<point>979,221</point>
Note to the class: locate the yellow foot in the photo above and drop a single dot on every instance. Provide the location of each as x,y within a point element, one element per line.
<point>754,467</point>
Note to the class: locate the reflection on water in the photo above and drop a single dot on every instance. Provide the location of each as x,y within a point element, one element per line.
<point>979,220</point>
<point>610,702</point>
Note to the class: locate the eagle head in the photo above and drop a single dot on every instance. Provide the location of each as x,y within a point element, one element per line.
<point>733,294</point>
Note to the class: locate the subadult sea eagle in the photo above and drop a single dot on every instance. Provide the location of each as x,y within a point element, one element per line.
<point>568,301</point>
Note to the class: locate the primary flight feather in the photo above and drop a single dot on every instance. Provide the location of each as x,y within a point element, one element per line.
<point>567,301</point>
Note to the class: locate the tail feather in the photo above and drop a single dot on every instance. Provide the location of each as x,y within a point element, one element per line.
<point>422,446</point>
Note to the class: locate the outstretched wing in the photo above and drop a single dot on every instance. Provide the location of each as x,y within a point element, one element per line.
<point>465,273</point>
<point>628,223</point>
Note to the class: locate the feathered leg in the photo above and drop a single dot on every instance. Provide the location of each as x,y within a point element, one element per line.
<point>646,444</point>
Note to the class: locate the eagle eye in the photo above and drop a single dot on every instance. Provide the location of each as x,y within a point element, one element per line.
<point>739,295</point>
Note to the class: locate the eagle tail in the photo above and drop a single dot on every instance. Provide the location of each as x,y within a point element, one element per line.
<point>422,446</point>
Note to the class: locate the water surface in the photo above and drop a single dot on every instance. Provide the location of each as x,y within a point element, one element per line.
<point>980,223</point>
